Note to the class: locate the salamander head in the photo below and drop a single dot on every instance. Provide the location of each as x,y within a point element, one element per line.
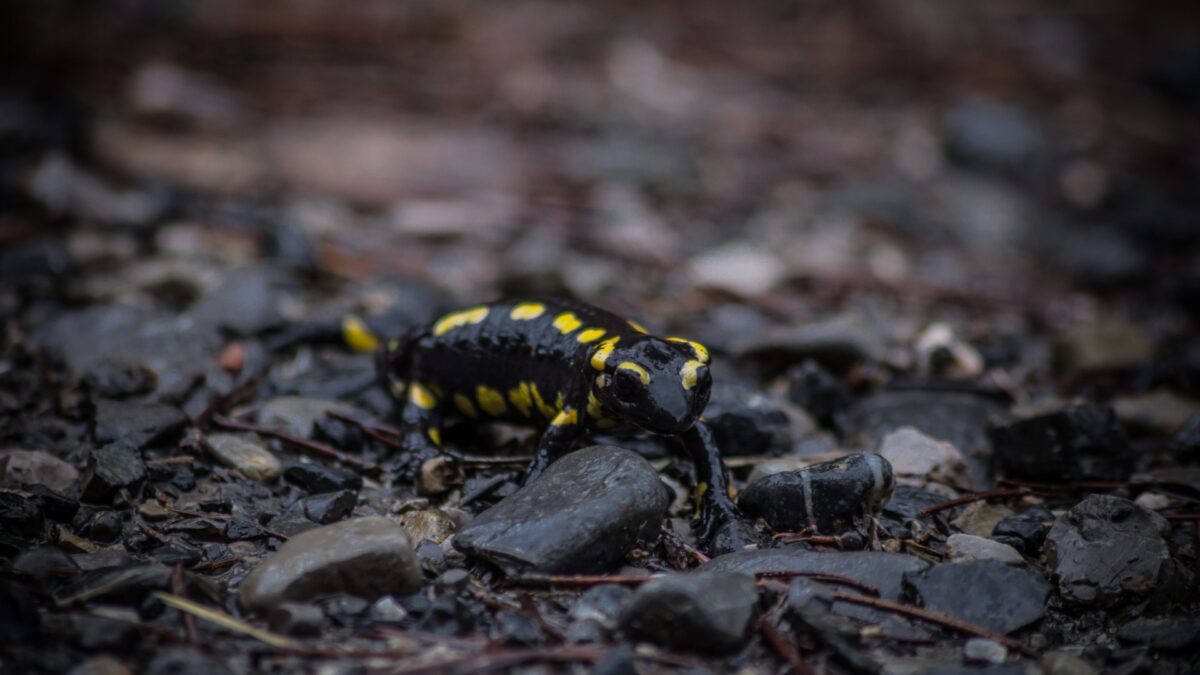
<point>659,385</point>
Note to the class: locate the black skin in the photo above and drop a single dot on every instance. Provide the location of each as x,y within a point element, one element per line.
<point>486,346</point>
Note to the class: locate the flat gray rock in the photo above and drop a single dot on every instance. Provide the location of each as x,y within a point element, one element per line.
<point>1106,549</point>
<point>884,571</point>
<point>19,468</point>
<point>246,453</point>
<point>702,611</point>
<point>582,515</point>
<point>987,593</point>
<point>366,557</point>
<point>139,423</point>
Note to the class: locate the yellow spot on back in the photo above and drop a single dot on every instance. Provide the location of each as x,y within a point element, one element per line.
<point>546,409</point>
<point>521,398</point>
<point>590,335</point>
<point>490,401</point>
<point>526,311</point>
<point>434,435</point>
<point>464,405</point>
<point>420,396</point>
<point>567,322</point>
<point>636,326</point>
<point>700,350</point>
<point>690,373</point>
<point>642,373</point>
<point>461,318</point>
<point>603,350</point>
<point>565,417</point>
<point>357,336</point>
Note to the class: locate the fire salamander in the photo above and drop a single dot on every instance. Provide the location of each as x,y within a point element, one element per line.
<point>571,369</point>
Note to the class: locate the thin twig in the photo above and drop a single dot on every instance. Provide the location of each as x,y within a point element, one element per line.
<point>226,621</point>
<point>312,446</point>
<point>374,432</point>
<point>827,577</point>
<point>226,517</point>
<point>975,497</point>
<point>934,617</point>
<point>179,588</point>
<point>784,647</point>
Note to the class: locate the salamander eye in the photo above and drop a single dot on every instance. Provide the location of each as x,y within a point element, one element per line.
<point>626,383</point>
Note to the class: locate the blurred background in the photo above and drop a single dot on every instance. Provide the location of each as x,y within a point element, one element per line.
<point>1038,159</point>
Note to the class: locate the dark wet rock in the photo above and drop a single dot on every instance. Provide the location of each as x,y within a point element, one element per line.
<point>101,665</point>
<point>883,571</point>
<point>1025,530</point>
<point>1106,549</point>
<point>137,423</point>
<point>296,415</point>
<point>582,515</point>
<point>970,548</point>
<point>115,583</point>
<point>329,507</point>
<point>288,243</point>
<point>1185,442</point>
<point>902,513</point>
<point>316,479</point>
<point>297,618</point>
<point>246,453</point>
<point>595,614</point>
<point>918,459</point>
<point>117,379</point>
<point>115,466</point>
<point>992,135</point>
<point>431,556</point>
<point>103,526</point>
<point>19,618</point>
<point>20,516</point>
<point>245,303</point>
<point>987,593</point>
<point>702,611</point>
<point>347,437</point>
<point>830,496</point>
<point>745,421</point>
<point>19,468</point>
<point>835,343</point>
<point>367,557</point>
<point>54,506</point>
<point>1081,442</point>
<point>819,393</point>
<point>45,562</point>
<point>620,660</point>
<point>184,661</point>
<point>1170,633</point>
<point>34,261</point>
<point>98,633</point>
<point>959,417</point>
<point>815,611</point>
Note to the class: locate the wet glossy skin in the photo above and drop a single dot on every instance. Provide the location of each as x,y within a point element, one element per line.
<point>564,366</point>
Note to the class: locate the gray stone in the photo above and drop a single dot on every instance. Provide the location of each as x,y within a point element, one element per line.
<point>583,514</point>
<point>832,496</point>
<point>296,415</point>
<point>746,421</point>
<point>432,524</point>
<point>110,468</point>
<point>986,593</point>
<point>244,303</point>
<point>297,618</point>
<point>918,459</point>
<point>387,610</point>
<point>993,135</point>
<point>883,571</point>
<point>836,343</point>
<point>1106,549</point>
<point>701,611</point>
<point>1170,633</point>
<point>368,557</point>
<point>19,468</point>
<point>969,548</point>
<point>985,651</point>
<point>1065,663</point>
<point>246,453</point>
<point>139,423</point>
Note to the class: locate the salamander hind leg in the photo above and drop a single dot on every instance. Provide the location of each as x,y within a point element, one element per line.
<point>719,522</point>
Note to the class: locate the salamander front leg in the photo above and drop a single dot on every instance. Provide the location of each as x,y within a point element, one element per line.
<point>421,421</point>
<point>556,441</point>
<point>720,524</point>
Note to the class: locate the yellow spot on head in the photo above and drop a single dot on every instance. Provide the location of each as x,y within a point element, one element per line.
<point>357,336</point>
<point>690,373</point>
<point>434,435</point>
<point>567,322</point>
<point>526,311</point>
<point>546,409</point>
<point>700,350</point>
<point>461,318</point>
<point>464,405</point>
<point>421,397</point>
<point>590,335</point>
<point>594,407</point>
<point>600,356</point>
<point>642,373</point>
<point>637,326</point>
<point>521,398</point>
<point>490,401</point>
<point>565,417</point>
